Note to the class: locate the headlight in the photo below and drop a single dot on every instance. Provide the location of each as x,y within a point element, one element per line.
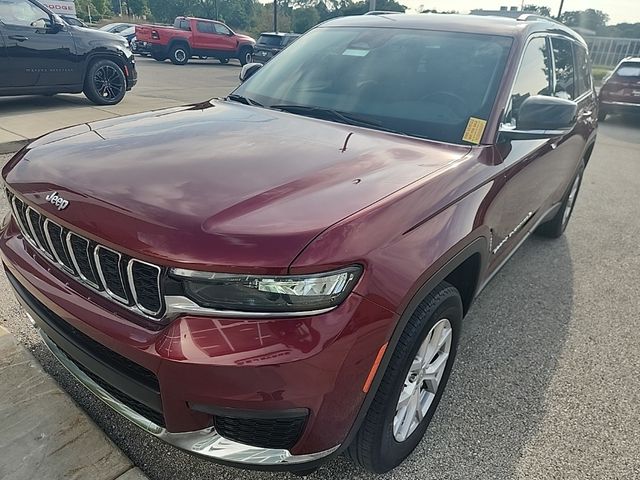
<point>252,293</point>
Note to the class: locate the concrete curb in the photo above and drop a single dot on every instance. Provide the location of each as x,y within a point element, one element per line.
<point>44,433</point>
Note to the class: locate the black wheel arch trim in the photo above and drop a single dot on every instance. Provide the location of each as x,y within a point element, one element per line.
<point>182,43</point>
<point>113,55</point>
<point>479,246</point>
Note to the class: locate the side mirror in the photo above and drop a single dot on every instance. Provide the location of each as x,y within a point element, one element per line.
<point>55,24</point>
<point>540,116</point>
<point>249,70</point>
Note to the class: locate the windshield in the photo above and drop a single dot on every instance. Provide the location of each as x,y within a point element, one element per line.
<point>270,40</point>
<point>417,82</point>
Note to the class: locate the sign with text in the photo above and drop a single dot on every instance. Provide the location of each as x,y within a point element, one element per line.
<point>61,8</point>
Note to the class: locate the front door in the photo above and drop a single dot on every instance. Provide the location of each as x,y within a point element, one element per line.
<point>536,172</point>
<point>39,52</point>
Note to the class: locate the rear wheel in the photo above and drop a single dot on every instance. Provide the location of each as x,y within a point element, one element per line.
<point>555,227</point>
<point>105,83</point>
<point>179,54</point>
<point>245,55</point>
<point>412,384</point>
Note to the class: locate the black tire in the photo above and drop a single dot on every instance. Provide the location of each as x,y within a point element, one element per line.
<point>245,55</point>
<point>224,61</point>
<point>555,227</point>
<point>375,447</point>
<point>105,83</point>
<point>602,115</point>
<point>179,54</point>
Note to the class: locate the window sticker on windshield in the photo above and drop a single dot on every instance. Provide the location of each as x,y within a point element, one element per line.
<point>475,129</point>
<point>355,52</point>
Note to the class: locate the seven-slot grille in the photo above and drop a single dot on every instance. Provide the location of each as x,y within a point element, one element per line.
<point>132,282</point>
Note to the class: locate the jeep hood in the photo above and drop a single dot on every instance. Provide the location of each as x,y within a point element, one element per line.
<point>217,185</point>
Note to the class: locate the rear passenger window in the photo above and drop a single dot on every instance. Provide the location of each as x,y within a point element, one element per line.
<point>564,69</point>
<point>583,70</point>
<point>533,77</point>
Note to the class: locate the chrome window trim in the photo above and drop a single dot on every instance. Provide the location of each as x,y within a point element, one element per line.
<point>548,36</point>
<point>74,260</point>
<point>133,285</point>
<point>112,294</point>
<point>206,442</point>
<point>47,235</point>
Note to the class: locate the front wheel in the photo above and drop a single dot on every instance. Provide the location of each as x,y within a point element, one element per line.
<point>245,55</point>
<point>105,83</point>
<point>224,61</point>
<point>555,227</point>
<point>179,55</point>
<point>412,384</point>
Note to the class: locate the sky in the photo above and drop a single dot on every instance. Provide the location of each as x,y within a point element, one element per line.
<point>618,10</point>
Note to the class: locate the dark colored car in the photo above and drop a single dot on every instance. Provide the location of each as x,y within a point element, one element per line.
<point>270,44</point>
<point>190,37</point>
<point>73,21</point>
<point>273,278</point>
<point>620,92</point>
<point>41,54</point>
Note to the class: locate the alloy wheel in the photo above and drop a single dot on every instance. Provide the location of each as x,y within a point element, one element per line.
<point>180,55</point>
<point>108,82</point>
<point>423,380</point>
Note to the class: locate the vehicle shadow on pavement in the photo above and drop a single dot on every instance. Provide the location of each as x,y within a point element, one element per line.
<point>494,403</point>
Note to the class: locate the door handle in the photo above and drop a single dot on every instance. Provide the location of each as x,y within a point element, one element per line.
<point>586,113</point>
<point>18,38</point>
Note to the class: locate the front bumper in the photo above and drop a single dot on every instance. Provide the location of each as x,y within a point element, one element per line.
<point>317,363</point>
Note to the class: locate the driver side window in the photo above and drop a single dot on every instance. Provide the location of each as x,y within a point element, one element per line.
<point>221,29</point>
<point>22,13</point>
<point>533,78</point>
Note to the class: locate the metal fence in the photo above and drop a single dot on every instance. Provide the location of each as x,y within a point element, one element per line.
<point>608,51</point>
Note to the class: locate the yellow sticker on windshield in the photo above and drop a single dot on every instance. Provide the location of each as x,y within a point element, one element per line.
<point>475,129</point>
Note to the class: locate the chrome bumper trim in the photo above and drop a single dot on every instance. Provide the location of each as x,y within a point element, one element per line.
<point>206,442</point>
<point>620,104</point>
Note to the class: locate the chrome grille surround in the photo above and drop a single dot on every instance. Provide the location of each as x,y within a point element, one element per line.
<point>34,225</point>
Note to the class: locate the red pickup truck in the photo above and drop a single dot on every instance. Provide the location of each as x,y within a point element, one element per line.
<point>195,36</point>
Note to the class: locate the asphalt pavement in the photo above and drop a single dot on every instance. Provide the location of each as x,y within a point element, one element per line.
<point>547,379</point>
<point>160,85</point>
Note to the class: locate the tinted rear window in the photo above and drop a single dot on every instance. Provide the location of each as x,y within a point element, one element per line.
<point>270,40</point>
<point>628,70</point>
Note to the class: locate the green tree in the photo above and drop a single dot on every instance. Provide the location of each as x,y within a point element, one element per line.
<point>590,19</point>
<point>532,8</point>
<point>302,19</point>
<point>138,7</point>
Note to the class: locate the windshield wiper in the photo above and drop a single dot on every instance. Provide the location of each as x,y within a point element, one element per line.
<point>246,100</point>
<point>335,115</point>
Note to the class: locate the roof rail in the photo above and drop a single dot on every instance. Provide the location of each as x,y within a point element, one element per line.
<point>528,17</point>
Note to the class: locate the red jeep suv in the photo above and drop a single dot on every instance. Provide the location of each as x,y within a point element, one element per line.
<point>275,277</point>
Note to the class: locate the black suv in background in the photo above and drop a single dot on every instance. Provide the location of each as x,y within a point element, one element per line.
<point>270,44</point>
<point>41,54</point>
